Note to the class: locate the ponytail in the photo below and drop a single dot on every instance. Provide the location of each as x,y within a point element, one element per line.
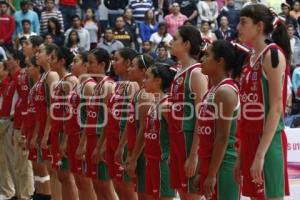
<point>165,72</point>
<point>274,25</point>
<point>281,38</point>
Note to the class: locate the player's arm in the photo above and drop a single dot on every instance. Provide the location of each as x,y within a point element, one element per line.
<point>198,87</point>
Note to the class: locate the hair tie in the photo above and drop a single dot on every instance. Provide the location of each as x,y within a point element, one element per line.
<point>241,47</point>
<point>277,19</point>
<point>204,45</point>
<point>173,69</point>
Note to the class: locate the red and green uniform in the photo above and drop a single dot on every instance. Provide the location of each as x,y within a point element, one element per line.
<point>226,187</point>
<point>72,126</point>
<point>255,106</point>
<point>181,127</point>
<point>42,104</point>
<point>21,104</point>
<point>94,114</point>
<point>30,120</point>
<point>132,132</point>
<point>117,117</point>
<point>157,152</point>
<point>57,116</point>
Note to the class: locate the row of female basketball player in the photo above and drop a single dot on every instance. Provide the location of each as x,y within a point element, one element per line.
<point>158,130</point>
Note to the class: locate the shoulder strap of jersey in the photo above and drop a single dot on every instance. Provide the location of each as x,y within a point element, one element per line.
<point>84,83</point>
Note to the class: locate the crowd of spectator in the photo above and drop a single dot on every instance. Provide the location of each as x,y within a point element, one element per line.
<point>145,25</point>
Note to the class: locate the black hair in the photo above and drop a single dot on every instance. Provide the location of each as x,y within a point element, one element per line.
<point>206,22</point>
<point>64,53</point>
<point>102,56</point>
<point>34,63</point>
<point>83,55</point>
<point>24,21</point>
<point>50,48</point>
<point>144,61</point>
<point>18,55</point>
<point>120,16</point>
<point>69,42</point>
<point>56,23</point>
<point>108,28</point>
<point>234,57</point>
<point>165,72</point>
<point>145,41</point>
<point>93,17</point>
<point>75,16</point>
<point>259,12</point>
<point>36,41</point>
<point>127,53</point>
<point>191,34</point>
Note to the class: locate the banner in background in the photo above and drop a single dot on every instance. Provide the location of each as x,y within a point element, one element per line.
<point>293,137</point>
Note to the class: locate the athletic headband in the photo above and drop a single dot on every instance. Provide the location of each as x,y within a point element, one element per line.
<point>277,19</point>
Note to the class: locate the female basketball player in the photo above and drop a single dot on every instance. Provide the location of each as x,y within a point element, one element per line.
<point>263,99</point>
<point>96,117</point>
<point>217,122</point>
<point>187,90</point>
<point>134,131</point>
<point>73,124</point>
<point>117,107</point>
<point>61,59</point>
<point>44,91</point>
<point>157,81</point>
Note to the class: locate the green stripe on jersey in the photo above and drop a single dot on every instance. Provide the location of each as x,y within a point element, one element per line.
<point>189,114</point>
<point>164,139</point>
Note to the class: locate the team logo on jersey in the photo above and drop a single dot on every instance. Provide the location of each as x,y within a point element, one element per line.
<point>256,66</point>
<point>254,76</point>
<point>179,81</point>
<point>176,87</point>
<point>254,88</point>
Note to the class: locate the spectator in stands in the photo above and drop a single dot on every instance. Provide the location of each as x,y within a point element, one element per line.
<point>163,55</point>
<point>25,34</point>
<point>25,13</point>
<point>54,29</point>
<point>91,25</point>
<point>48,38</point>
<point>148,26</point>
<point>82,32</point>
<point>131,25</point>
<point>161,36</point>
<point>115,9</point>
<point>50,12</point>
<point>232,14</point>
<point>7,26</point>
<point>139,8</point>
<point>208,11</point>
<point>295,13</point>
<point>206,32</point>
<point>38,6</point>
<point>109,43</point>
<point>147,49</point>
<point>68,10</point>
<point>285,8</point>
<point>90,4</point>
<point>122,34</point>
<point>73,42</point>
<point>296,82</point>
<point>295,47</point>
<point>189,9</point>
<point>224,32</point>
<point>175,19</point>
<point>297,32</point>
